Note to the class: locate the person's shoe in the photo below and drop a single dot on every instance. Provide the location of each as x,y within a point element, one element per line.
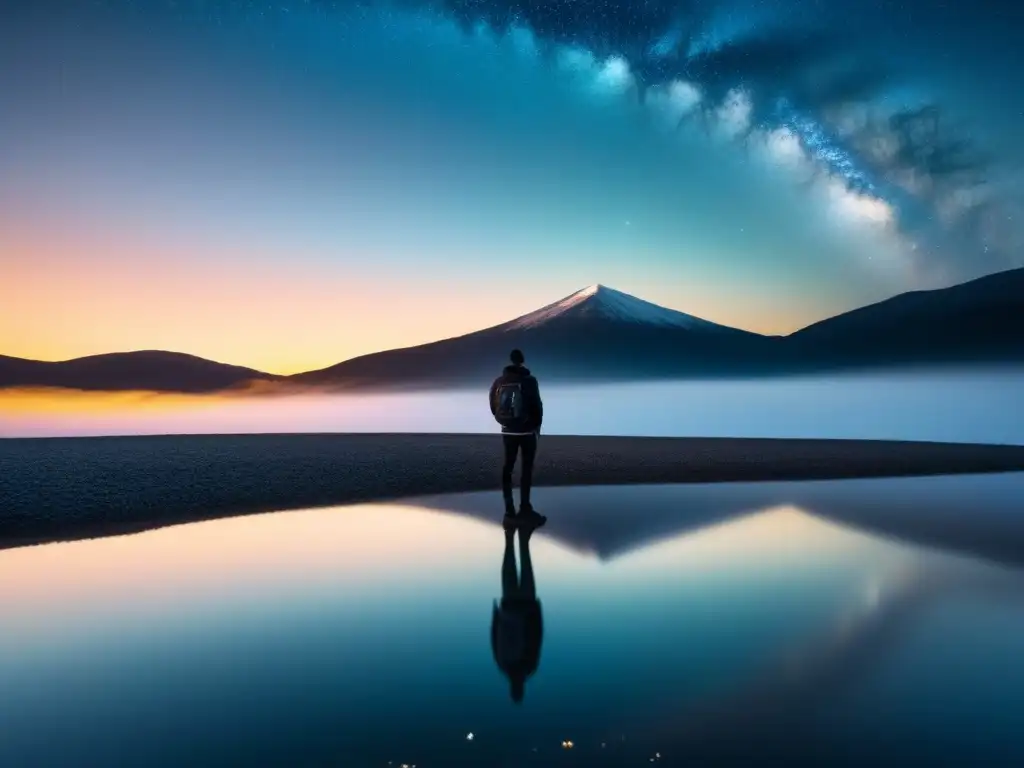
<point>510,519</point>
<point>529,516</point>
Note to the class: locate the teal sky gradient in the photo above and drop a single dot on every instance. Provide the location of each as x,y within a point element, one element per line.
<point>394,149</point>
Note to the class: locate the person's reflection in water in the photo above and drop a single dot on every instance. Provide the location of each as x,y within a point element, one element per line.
<point>517,627</point>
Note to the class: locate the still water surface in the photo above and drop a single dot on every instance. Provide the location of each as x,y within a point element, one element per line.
<point>854,620</point>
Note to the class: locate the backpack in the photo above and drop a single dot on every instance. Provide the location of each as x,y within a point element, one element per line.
<point>510,409</point>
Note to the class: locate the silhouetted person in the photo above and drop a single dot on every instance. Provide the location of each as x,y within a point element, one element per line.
<point>517,627</point>
<point>517,406</point>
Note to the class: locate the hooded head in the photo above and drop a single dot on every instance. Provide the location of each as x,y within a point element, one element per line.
<point>516,690</point>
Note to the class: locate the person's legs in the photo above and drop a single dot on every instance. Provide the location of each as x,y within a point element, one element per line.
<point>511,450</point>
<point>527,586</point>
<point>529,448</point>
<point>509,577</point>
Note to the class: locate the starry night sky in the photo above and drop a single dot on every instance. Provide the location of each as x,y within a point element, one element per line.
<point>285,184</point>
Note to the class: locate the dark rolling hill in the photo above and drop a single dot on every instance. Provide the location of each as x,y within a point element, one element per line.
<point>979,322</point>
<point>125,371</point>
<point>597,333</point>
<point>17,371</point>
<point>601,334</point>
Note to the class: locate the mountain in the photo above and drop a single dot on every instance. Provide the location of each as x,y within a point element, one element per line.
<point>597,333</point>
<point>981,321</point>
<point>601,334</point>
<point>600,303</point>
<point>147,370</point>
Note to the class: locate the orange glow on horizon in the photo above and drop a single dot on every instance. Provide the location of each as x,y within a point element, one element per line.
<point>56,400</point>
<point>70,292</point>
<point>73,401</point>
<point>66,295</point>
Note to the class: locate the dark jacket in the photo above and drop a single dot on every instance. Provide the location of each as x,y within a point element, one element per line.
<point>517,631</point>
<point>534,417</point>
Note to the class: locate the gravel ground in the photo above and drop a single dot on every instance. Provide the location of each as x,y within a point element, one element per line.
<point>70,488</point>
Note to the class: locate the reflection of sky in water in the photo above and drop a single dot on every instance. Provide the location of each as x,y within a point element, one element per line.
<point>362,634</point>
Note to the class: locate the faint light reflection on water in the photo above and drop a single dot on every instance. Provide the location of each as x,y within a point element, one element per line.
<point>361,634</point>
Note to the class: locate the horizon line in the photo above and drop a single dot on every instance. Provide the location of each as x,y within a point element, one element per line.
<point>593,288</point>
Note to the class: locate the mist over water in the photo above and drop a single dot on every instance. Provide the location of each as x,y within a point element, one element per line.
<point>955,406</point>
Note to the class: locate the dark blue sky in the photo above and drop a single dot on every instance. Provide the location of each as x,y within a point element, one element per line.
<point>760,164</point>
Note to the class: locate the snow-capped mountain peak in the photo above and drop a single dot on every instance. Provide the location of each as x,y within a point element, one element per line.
<point>600,302</point>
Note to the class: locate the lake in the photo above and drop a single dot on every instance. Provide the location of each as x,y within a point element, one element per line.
<point>953,406</point>
<point>856,621</point>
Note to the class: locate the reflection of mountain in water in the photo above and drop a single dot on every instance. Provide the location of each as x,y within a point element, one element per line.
<point>972,515</point>
<point>776,714</point>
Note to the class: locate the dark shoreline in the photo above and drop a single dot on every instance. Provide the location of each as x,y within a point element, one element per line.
<point>59,489</point>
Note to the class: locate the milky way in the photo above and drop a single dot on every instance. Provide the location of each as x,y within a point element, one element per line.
<point>775,76</point>
<point>781,80</point>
